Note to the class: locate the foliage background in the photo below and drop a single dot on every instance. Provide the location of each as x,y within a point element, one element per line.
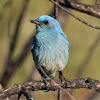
<point>80,36</point>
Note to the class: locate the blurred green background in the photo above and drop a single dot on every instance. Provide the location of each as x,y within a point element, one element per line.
<point>84,52</point>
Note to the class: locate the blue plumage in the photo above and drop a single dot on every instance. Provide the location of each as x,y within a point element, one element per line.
<point>50,46</point>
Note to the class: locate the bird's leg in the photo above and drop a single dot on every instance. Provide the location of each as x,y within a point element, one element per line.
<point>61,77</point>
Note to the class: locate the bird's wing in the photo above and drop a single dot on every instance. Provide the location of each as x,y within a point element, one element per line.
<point>63,34</point>
<point>34,40</point>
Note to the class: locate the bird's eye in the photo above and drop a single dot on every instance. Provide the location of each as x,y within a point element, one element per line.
<point>46,22</point>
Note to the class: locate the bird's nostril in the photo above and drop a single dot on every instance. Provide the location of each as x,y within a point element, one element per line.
<point>32,21</point>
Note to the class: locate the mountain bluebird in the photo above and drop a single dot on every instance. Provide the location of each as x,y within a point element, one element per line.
<point>50,46</point>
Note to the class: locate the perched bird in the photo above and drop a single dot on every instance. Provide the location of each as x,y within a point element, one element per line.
<point>50,46</point>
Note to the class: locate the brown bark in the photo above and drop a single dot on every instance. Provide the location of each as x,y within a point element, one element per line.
<point>88,9</point>
<point>87,83</point>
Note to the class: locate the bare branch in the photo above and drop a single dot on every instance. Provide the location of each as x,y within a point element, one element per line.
<point>56,10</point>
<point>87,83</point>
<point>1,89</point>
<point>93,26</point>
<point>26,94</point>
<point>59,94</point>
<point>96,2</point>
<point>88,9</point>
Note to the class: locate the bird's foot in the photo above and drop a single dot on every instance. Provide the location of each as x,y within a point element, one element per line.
<point>45,81</point>
<point>63,80</point>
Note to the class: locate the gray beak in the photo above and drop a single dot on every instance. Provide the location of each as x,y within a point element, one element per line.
<point>35,22</point>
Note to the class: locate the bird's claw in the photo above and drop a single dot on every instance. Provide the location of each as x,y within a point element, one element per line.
<point>44,80</point>
<point>63,80</point>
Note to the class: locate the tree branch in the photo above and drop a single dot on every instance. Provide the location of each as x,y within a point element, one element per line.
<point>96,2</point>
<point>87,83</point>
<point>1,89</point>
<point>56,10</point>
<point>65,9</point>
<point>26,94</point>
<point>88,9</point>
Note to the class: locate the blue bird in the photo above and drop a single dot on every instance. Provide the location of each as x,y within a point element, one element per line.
<point>50,48</point>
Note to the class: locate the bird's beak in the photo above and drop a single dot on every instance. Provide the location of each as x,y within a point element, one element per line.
<point>35,22</point>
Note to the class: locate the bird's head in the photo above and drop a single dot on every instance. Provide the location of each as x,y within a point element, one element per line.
<point>47,23</point>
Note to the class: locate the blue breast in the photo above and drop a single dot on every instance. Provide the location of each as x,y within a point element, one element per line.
<point>50,51</point>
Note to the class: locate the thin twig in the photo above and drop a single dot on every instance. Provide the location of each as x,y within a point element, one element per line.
<point>84,8</point>
<point>56,10</point>
<point>96,2</point>
<point>26,94</point>
<point>59,94</point>
<point>93,26</point>
<point>1,89</point>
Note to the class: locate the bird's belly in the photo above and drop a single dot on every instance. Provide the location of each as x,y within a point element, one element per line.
<point>52,58</point>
